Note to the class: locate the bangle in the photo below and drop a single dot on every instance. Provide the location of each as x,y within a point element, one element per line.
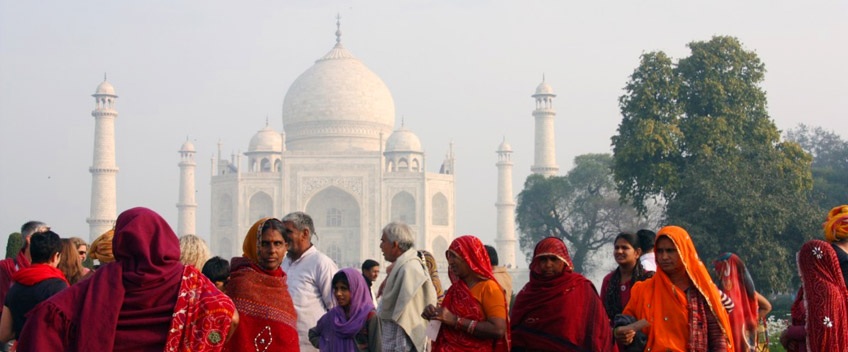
<point>458,323</point>
<point>471,327</point>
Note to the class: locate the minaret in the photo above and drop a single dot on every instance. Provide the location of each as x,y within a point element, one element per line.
<point>103,170</point>
<point>545,153</point>
<point>506,208</point>
<point>186,205</point>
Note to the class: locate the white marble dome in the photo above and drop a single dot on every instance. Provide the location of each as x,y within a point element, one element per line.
<point>544,89</point>
<point>187,147</point>
<point>504,147</point>
<point>403,140</point>
<point>266,140</point>
<point>104,88</point>
<point>337,104</point>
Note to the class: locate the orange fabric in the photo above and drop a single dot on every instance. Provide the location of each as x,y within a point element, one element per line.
<point>488,293</point>
<point>250,249</point>
<point>836,224</point>
<point>664,306</point>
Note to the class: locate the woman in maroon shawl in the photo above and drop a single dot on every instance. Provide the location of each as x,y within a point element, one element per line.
<point>825,296</point>
<point>558,310</point>
<point>735,281</point>
<point>144,301</point>
<point>473,313</point>
<point>257,285</point>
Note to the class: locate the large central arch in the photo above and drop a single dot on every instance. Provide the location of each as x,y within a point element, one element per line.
<point>336,214</point>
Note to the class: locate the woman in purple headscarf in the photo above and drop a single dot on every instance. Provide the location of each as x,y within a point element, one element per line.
<point>353,325</point>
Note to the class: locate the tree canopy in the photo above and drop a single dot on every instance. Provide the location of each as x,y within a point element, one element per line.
<point>14,244</point>
<point>830,163</point>
<point>582,208</point>
<point>697,134</point>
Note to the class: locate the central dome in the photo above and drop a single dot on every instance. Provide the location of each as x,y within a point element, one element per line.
<point>338,104</point>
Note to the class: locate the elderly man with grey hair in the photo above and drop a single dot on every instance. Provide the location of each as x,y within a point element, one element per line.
<point>408,290</point>
<point>310,275</point>
<point>11,265</point>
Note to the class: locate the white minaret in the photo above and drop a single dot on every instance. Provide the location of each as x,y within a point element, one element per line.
<point>506,208</point>
<point>545,153</point>
<point>186,205</point>
<point>104,172</point>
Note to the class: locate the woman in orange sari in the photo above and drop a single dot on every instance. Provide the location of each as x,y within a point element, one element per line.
<point>473,313</point>
<point>679,309</point>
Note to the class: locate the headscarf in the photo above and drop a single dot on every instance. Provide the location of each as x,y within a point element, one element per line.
<point>250,246</point>
<point>459,301</point>
<point>825,296</point>
<point>550,310</point>
<point>336,328</point>
<point>735,280</point>
<point>129,302</point>
<point>433,269</point>
<point>657,300</point>
<point>836,225</point>
<point>101,248</point>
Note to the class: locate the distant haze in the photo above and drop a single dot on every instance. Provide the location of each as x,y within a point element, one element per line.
<point>458,70</point>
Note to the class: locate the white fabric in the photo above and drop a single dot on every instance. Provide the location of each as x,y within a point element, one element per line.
<point>649,263</point>
<point>310,285</point>
<point>408,290</point>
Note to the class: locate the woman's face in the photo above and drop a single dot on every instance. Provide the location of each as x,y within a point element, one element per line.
<point>342,292</point>
<point>624,253</point>
<point>459,266</point>
<point>550,265</point>
<point>82,251</point>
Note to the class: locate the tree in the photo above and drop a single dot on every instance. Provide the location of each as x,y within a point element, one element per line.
<point>830,163</point>
<point>698,135</point>
<point>14,244</point>
<point>582,208</point>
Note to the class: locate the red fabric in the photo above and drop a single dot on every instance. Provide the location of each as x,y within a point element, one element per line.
<point>38,273</point>
<point>826,297</point>
<point>125,305</point>
<point>736,282</point>
<point>458,300</point>
<point>264,323</point>
<point>562,313</point>
<point>8,267</point>
<point>796,333</point>
<point>202,315</point>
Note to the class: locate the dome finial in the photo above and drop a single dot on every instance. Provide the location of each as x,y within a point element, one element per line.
<point>338,29</point>
<point>402,121</point>
<point>266,120</point>
<point>104,76</point>
<point>543,76</point>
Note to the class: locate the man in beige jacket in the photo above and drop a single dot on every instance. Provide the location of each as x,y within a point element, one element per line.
<point>501,275</point>
<point>407,291</point>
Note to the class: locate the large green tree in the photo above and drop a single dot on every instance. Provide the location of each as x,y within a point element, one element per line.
<point>14,244</point>
<point>582,208</point>
<point>697,134</point>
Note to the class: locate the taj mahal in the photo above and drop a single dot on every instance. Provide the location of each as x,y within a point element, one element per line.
<point>341,158</point>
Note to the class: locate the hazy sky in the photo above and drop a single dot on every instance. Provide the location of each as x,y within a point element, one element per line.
<point>458,70</point>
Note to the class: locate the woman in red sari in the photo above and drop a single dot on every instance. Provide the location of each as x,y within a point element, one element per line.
<point>473,313</point>
<point>258,287</point>
<point>735,280</point>
<point>558,310</point>
<point>825,297</point>
<point>144,301</point>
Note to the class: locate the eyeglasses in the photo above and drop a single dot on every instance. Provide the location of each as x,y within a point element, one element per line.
<point>81,252</point>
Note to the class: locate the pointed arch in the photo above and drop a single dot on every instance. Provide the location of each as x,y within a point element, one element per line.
<point>261,205</point>
<point>403,208</point>
<point>440,210</point>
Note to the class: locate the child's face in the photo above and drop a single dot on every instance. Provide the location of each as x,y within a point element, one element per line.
<point>342,292</point>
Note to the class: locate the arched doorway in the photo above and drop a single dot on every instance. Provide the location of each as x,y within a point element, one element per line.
<point>336,214</point>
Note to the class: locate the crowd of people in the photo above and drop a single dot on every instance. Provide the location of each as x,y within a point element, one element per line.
<point>152,291</point>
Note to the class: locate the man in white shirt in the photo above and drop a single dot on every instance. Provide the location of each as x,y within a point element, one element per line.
<point>310,274</point>
<point>646,240</point>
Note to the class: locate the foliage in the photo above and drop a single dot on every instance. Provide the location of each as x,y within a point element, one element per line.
<point>582,208</point>
<point>698,135</point>
<point>830,163</point>
<point>14,244</point>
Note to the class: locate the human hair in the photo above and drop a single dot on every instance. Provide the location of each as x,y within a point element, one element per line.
<point>31,227</point>
<point>43,245</point>
<point>216,269</point>
<point>369,263</point>
<point>193,251</point>
<point>493,255</point>
<point>271,224</point>
<point>646,239</point>
<point>400,233</point>
<point>69,262</point>
<point>78,242</point>
<point>339,277</point>
<point>634,240</point>
<point>301,221</point>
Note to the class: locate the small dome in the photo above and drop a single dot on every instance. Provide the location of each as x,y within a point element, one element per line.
<point>544,89</point>
<point>504,147</point>
<point>105,89</point>
<point>403,140</point>
<point>266,140</point>
<point>187,147</point>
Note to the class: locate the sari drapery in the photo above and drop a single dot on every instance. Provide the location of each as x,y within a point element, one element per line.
<point>736,282</point>
<point>825,297</point>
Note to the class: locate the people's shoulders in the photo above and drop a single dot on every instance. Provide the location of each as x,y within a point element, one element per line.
<point>54,284</point>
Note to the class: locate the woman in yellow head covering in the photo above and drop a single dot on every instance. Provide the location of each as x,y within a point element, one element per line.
<point>836,233</point>
<point>101,248</point>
